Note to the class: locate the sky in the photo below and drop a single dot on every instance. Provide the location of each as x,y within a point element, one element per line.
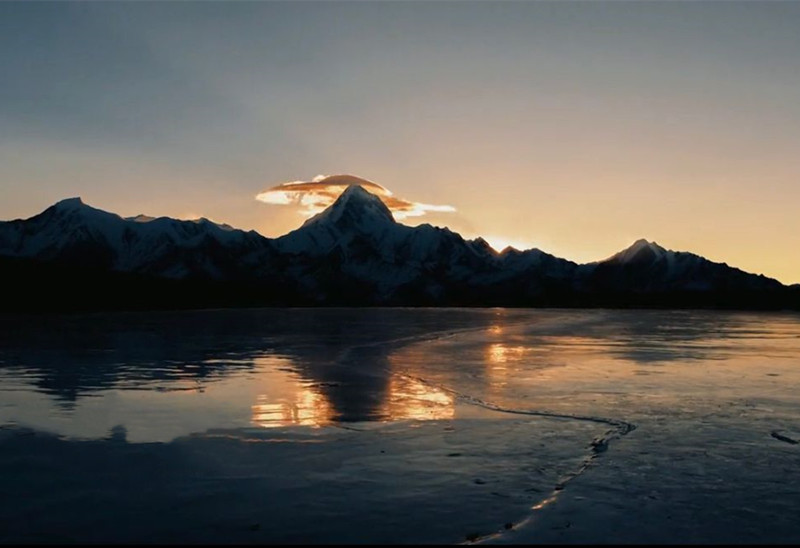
<point>574,127</point>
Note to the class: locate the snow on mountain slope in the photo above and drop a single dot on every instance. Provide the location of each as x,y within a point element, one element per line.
<point>516,261</point>
<point>359,232</point>
<point>641,250</point>
<point>355,252</point>
<point>355,213</point>
<point>359,222</point>
<point>71,231</point>
<point>647,267</point>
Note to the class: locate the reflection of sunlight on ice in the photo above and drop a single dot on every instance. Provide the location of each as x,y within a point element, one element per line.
<point>501,361</point>
<point>306,408</point>
<point>284,399</point>
<point>499,356</point>
<point>411,399</point>
<point>549,500</point>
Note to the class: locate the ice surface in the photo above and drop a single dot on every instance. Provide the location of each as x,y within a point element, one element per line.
<point>400,425</point>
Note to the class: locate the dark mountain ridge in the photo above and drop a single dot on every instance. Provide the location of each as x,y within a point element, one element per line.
<point>72,256</point>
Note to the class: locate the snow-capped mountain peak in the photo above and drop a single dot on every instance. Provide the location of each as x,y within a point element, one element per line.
<point>354,206</point>
<point>71,231</point>
<point>355,252</point>
<point>640,250</point>
<point>69,204</point>
<point>73,214</point>
<point>359,232</point>
<point>355,213</point>
<point>77,205</point>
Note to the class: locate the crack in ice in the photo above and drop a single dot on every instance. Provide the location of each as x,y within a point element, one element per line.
<point>598,445</point>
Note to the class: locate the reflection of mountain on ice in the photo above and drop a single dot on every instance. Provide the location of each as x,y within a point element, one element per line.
<point>569,381</point>
<point>306,365</point>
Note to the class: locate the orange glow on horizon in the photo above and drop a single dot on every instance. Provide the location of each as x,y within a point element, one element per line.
<point>499,243</point>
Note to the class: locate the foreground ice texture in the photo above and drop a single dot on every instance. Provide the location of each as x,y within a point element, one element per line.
<point>400,426</point>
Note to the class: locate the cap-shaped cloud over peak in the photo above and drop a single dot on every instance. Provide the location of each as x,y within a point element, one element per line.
<point>315,195</point>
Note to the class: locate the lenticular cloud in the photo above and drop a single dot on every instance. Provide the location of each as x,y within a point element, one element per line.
<point>315,195</point>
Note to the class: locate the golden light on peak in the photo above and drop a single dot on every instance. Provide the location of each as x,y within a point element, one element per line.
<point>315,195</point>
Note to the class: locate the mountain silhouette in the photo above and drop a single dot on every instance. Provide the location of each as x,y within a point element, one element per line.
<point>74,256</point>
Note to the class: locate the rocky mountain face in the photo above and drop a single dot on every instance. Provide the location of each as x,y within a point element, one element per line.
<point>647,267</point>
<point>71,232</point>
<point>357,244</point>
<point>353,253</point>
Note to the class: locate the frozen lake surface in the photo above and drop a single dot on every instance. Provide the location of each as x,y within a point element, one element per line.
<point>400,426</point>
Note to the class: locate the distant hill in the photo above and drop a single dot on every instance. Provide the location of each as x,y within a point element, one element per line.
<point>75,257</point>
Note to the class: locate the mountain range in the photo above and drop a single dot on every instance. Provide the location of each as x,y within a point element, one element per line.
<point>73,256</point>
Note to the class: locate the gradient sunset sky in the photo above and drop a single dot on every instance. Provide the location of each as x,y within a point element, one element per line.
<point>573,127</point>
